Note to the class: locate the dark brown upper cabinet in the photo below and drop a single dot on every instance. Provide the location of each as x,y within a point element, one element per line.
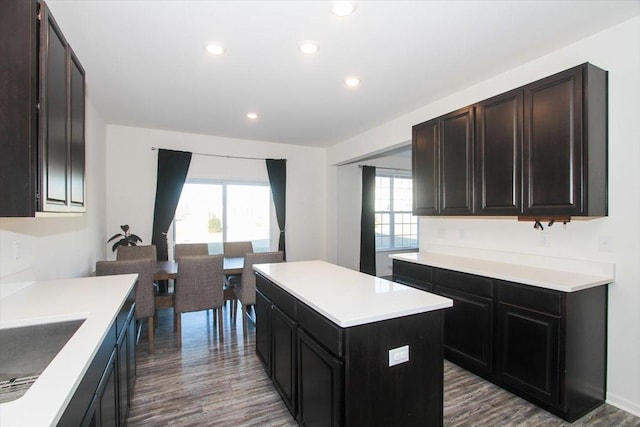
<point>565,144</point>
<point>42,166</point>
<point>443,164</point>
<point>498,153</point>
<point>537,151</point>
<point>426,168</point>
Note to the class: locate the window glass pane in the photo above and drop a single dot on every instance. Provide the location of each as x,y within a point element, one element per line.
<point>383,193</point>
<point>202,210</point>
<point>402,194</point>
<point>199,214</point>
<point>248,214</point>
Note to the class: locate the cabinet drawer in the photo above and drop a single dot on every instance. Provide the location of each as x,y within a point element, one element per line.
<point>284,301</point>
<point>476,285</point>
<point>322,329</point>
<point>264,286</point>
<point>543,300</point>
<point>417,275</point>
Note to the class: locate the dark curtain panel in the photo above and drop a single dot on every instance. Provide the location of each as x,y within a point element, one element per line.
<point>367,221</point>
<point>277,170</point>
<point>172,172</point>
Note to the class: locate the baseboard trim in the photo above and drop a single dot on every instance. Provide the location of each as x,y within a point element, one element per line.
<point>624,404</point>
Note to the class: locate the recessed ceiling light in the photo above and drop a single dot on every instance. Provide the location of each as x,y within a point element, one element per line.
<point>215,48</point>
<point>343,8</point>
<point>252,116</point>
<point>352,81</point>
<point>308,47</point>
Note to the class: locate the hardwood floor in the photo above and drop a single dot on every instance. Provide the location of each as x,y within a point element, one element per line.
<point>213,383</point>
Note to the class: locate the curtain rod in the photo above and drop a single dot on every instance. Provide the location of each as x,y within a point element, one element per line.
<point>220,155</point>
<point>389,169</point>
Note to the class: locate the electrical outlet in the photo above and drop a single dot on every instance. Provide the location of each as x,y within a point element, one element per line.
<point>442,233</point>
<point>461,234</point>
<point>544,239</point>
<point>398,355</point>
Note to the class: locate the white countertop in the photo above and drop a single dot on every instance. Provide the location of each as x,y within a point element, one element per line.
<point>96,299</point>
<point>559,280</point>
<point>347,297</point>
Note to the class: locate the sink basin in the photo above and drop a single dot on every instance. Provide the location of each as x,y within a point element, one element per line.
<point>26,351</point>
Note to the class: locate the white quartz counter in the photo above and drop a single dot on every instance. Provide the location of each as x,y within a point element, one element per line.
<point>96,299</point>
<point>559,280</point>
<point>347,297</point>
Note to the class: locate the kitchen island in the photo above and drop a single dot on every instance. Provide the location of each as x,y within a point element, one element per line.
<point>346,348</point>
<point>105,305</point>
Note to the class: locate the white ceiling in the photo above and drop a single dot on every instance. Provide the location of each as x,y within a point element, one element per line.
<point>146,65</point>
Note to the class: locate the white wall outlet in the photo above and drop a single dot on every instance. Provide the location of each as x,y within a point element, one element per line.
<point>442,233</point>
<point>398,355</point>
<point>461,234</point>
<point>605,244</point>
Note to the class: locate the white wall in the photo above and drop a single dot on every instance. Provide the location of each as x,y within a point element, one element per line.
<point>132,171</point>
<point>53,248</point>
<point>349,207</point>
<point>618,51</point>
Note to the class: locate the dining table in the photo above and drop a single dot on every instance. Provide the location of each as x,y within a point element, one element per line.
<point>166,270</point>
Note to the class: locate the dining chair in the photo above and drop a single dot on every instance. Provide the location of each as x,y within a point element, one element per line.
<point>245,291</point>
<point>234,250</point>
<point>199,288</point>
<point>189,249</point>
<point>137,252</point>
<point>144,290</point>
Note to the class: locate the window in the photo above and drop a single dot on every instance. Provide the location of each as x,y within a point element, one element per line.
<point>216,212</point>
<point>395,226</point>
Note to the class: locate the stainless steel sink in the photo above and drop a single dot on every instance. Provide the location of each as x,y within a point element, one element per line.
<point>26,351</point>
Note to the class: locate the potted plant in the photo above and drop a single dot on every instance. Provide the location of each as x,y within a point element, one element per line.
<point>126,238</point>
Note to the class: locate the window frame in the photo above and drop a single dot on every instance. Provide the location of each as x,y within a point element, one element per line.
<point>393,174</point>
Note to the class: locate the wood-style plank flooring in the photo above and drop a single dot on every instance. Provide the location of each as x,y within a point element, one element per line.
<point>213,383</point>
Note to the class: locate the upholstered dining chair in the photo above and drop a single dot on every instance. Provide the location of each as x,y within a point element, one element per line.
<point>145,292</point>
<point>245,291</point>
<point>234,250</point>
<point>199,288</point>
<point>190,249</point>
<point>137,252</point>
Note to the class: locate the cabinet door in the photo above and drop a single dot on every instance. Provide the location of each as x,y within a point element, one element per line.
<point>76,136</point>
<point>53,139</point>
<point>319,384</point>
<point>263,330</point>
<point>528,352</point>
<point>426,168</point>
<point>456,162</point>
<point>284,357</point>
<point>553,145</point>
<point>498,155</point>
<point>468,330</point>
<point>131,357</point>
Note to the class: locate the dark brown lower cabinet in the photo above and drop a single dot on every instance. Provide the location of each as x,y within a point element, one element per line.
<point>319,384</point>
<point>284,357</point>
<point>468,330</point>
<point>528,357</point>
<point>263,330</point>
<point>341,376</point>
<point>103,396</point>
<point>546,346</point>
<point>103,411</point>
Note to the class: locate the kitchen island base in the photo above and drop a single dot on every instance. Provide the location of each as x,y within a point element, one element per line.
<point>340,376</point>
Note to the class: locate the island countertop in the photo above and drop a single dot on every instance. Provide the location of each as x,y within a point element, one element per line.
<point>95,299</point>
<point>347,297</point>
<point>559,280</point>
